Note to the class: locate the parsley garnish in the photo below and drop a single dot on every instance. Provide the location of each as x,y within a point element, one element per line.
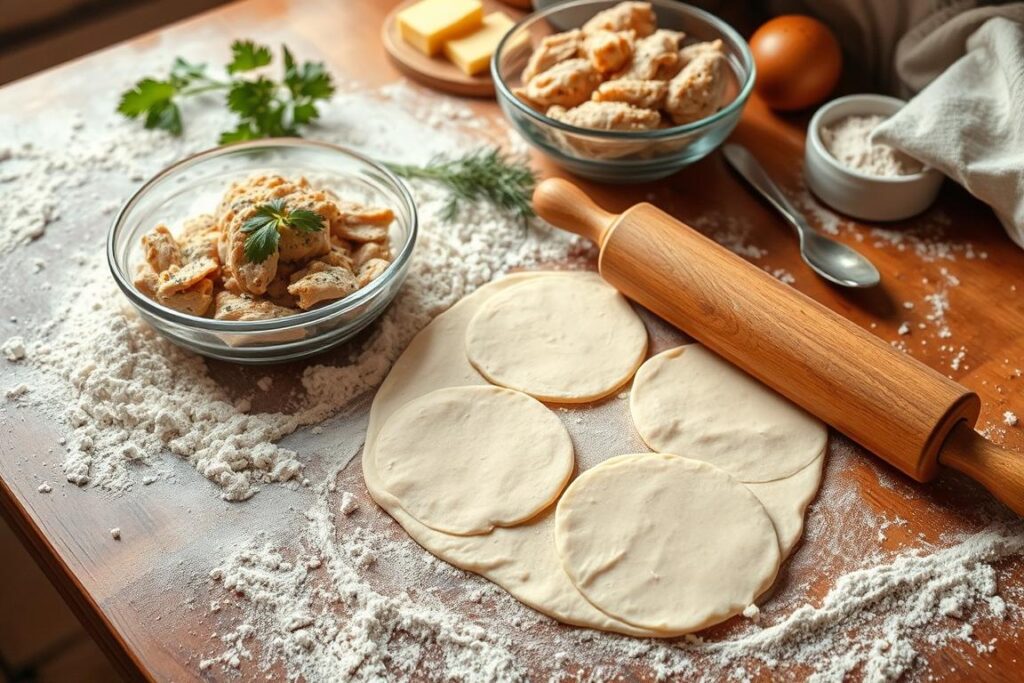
<point>262,229</point>
<point>489,174</point>
<point>265,107</point>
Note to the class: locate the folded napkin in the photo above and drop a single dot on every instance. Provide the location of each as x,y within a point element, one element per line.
<point>967,121</point>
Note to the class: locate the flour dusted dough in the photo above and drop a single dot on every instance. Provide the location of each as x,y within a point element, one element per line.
<point>665,543</point>
<point>465,460</point>
<point>786,501</point>
<point>558,338</point>
<point>689,401</point>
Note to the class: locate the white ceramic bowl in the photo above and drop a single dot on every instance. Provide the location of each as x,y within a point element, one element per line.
<point>860,195</point>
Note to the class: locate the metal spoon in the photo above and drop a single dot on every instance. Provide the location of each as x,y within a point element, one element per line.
<point>832,260</point>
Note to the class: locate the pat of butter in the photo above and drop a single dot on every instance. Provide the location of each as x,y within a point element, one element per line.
<point>472,53</point>
<point>429,23</point>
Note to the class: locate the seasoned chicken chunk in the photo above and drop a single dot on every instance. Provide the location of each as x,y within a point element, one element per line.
<point>360,223</point>
<point>198,238</point>
<point>655,57</point>
<point>195,300</point>
<point>322,282</point>
<point>371,270</point>
<point>566,84</point>
<point>160,249</point>
<point>607,116</point>
<point>277,291</point>
<point>642,94</point>
<point>234,307</point>
<point>370,250</point>
<point>146,279</point>
<point>552,50</point>
<point>609,51</point>
<point>638,16</point>
<point>696,92</point>
<point>249,277</point>
<point>687,54</point>
<point>177,279</point>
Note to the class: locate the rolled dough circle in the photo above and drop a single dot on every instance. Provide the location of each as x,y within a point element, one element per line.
<point>689,401</point>
<point>465,460</point>
<point>665,543</point>
<point>559,339</point>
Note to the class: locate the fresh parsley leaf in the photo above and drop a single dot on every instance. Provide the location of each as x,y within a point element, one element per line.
<point>265,107</point>
<point>247,55</point>
<point>146,94</point>
<point>263,228</point>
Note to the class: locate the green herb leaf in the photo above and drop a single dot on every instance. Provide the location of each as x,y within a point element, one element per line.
<point>146,94</point>
<point>247,55</point>
<point>242,133</point>
<point>263,227</point>
<point>165,115</point>
<point>485,174</point>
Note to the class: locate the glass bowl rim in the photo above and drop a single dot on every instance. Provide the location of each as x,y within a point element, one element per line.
<point>350,302</point>
<point>660,134</point>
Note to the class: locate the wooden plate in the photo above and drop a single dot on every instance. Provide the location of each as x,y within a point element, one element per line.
<point>438,72</point>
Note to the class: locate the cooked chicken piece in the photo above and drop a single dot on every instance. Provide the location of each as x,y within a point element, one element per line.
<point>364,233</point>
<point>609,51</point>
<point>340,256</point>
<point>371,270</point>
<point>607,116</point>
<point>566,84</point>
<point>655,57</point>
<point>322,282</point>
<point>370,250</point>
<point>525,98</point>
<point>160,250</point>
<point>696,92</point>
<point>643,94</point>
<point>354,213</point>
<point>552,50</point>
<point>179,278</point>
<point>687,54</point>
<point>199,238</point>
<point>146,279</point>
<point>296,245</point>
<point>194,300</point>
<point>277,290</point>
<point>233,307</point>
<point>638,16</point>
<point>251,278</point>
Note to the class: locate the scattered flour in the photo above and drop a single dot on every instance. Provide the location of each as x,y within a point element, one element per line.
<point>1010,418</point>
<point>13,349</point>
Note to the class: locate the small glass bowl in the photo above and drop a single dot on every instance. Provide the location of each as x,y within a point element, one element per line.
<point>195,185</point>
<point>621,156</point>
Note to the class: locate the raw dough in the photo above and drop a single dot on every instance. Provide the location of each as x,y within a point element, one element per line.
<point>689,401</point>
<point>786,501</point>
<point>558,338</point>
<point>464,460</point>
<point>664,542</point>
<point>521,559</point>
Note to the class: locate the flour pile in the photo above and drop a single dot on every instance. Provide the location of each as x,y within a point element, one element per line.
<point>135,395</point>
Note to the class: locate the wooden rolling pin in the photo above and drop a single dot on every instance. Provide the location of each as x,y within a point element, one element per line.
<point>895,406</point>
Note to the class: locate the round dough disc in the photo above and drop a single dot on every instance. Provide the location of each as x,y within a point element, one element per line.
<point>689,401</point>
<point>664,542</point>
<point>464,460</point>
<point>560,339</point>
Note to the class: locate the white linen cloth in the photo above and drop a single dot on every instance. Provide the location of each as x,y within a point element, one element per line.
<point>967,121</point>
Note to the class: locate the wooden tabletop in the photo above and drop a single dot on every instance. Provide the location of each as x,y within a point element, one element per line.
<point>145,598</point>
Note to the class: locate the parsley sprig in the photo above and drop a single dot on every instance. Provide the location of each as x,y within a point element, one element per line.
<point>487,173</point>
<point>265,107</point>
<point>263,228</point>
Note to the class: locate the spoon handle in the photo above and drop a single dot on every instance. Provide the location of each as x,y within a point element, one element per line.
<point>740,158</point>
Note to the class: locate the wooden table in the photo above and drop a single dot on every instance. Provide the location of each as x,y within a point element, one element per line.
<point>145,598</point>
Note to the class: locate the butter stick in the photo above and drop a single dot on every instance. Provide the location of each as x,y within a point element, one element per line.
<point>428,24</point>
<point>472,53</point>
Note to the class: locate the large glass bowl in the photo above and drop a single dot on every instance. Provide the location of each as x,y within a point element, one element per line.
<point>621,156</point>
<point>195,185</point>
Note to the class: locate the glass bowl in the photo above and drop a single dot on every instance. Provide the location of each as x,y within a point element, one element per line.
<point>621,156</point>
<point>195,185</point>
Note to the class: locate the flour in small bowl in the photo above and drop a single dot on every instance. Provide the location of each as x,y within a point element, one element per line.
<point>849,141</point>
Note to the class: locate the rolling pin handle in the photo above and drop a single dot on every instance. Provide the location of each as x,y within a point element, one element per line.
<point>561,203</point>
<point>997,469</point>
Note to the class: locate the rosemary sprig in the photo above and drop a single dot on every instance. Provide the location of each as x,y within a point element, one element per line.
<point>485,174</point>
